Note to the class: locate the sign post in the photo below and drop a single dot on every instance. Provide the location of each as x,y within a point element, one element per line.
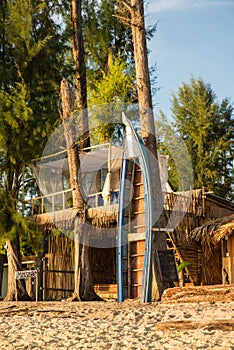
<point>24,275</point>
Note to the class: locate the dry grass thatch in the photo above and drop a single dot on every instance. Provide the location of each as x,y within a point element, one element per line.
<point>62,219</point>
<point>211,233</point>
<point>103,216</point>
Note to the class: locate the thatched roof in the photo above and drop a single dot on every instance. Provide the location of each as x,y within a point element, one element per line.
<point>62,219</point>
<point>214,231</point>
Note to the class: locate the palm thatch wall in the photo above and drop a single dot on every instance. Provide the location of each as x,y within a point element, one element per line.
<point>209,236</point>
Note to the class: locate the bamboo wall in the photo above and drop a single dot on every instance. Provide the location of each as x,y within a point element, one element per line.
<point>58,275</point>
<point>58,270</point>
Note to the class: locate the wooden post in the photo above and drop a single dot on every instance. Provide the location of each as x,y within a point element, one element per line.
<point>96,200</point>
<point>16,294</point>
<point>38,263</point>
<point>36,291</point>
<point>63,199</point>
<point>181,278</point>
<point>1,271</point>
<point>44,285</point>
<point>42,205</point>
<point>109,172</point>
<point>203,201</point>
<point>52,202</point>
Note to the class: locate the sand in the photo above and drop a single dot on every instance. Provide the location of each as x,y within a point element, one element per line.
<point>109,325</point>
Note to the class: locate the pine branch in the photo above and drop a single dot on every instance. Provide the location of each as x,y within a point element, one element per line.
<point>123,19</point>
<point>129,7</point>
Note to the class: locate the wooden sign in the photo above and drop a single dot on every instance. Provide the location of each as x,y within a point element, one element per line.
<point>25,274</point>
<point>168,265</point>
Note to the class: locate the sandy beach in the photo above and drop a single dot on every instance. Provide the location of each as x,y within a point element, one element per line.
<point>109,325</point>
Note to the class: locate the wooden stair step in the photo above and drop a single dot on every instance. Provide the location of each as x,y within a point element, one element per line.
<point>136,255</point>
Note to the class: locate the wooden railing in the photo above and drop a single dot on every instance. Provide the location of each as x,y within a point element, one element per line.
<point>63,200</point>
<point>50,202</point>
<point>96,200</point>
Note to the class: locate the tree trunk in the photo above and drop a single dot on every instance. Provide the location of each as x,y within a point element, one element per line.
<point>14,264</point>
<point>83,277</point>
<point>83,289</point>
<point>135,9</point>
<point>80,72</point>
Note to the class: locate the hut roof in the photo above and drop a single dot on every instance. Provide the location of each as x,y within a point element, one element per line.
<point>221,201</point>
<point>214,231</point>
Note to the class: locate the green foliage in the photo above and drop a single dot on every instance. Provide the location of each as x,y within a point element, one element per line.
<point>180,174</point>
<point>104,34</point>
<point>110,92</point>
<point>109,46</point>
<point>12,224</point>
<point>15,122</point>
<point>32,56</point>
<point>33,50</point>
<point>207,129</point>
<point>11,221</point>
<point>31,239</point>
<point>35,53</point>
<point>19,32</point>
<point>115,86</point>
<point>183,265</point>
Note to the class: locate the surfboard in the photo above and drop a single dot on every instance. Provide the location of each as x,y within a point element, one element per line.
<point>137,149</point>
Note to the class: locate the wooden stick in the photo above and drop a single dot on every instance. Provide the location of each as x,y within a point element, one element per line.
<point>16,294</point>
<point>37,287</point>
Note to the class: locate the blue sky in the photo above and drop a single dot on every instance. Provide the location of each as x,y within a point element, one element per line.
<point>193,38</point>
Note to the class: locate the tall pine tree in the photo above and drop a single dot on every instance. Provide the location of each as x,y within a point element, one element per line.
<point>207,129</point>
<point>31,56</point>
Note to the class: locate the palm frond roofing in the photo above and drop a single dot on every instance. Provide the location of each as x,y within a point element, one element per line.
<point>214,231</point>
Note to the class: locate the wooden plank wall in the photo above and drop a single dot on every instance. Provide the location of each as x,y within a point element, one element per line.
<point>137,248</point>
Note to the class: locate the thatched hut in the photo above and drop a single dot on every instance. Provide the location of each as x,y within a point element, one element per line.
<point>216,239</point>
<point>101,170</point>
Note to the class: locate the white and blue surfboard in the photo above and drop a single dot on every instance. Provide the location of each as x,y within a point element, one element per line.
<point>135,147</point>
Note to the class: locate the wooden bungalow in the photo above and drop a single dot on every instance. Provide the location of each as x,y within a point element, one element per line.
<point>183,212</point>
<point>52,211</point>
<point>101,176</point>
